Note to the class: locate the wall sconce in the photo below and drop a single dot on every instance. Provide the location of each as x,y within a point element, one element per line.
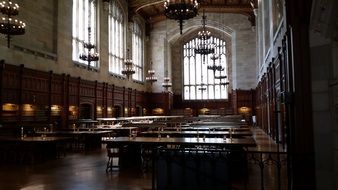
<point>244,110</point>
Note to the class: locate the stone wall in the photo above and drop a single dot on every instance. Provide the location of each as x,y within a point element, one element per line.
<point>324,59</point>
<point>236,27</point>
<point>47,43</point>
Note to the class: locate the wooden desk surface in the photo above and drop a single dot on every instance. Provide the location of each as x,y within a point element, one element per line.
<point>246,142</point>
<point>92,132</point>
<point>242,133</point>
<point>32,139</point>
<point>206,128</point>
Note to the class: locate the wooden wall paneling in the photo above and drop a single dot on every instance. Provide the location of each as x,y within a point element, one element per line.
<point>234,101</point>
<point>88,99</point>
<point>100,100</point>
<point>78,97</point>
<point>258,104</point>
<point>56,89</point>
<point>72,99</point>
<point>301,139</point>
<point>21,72</point>
<point>130,103</point>
<point>253,101</point>
<point>264,118</point>
<point>266,103</point>
<point>124,102</point>
<point>275,103</point>
<point>113,100</point>
<point>88,90</point>
<point>10,84</point>
<point>49,111</point>
<point>270,99</point>
<point>95,99</point>
<point>74,91</point>
<point>35,96</point>
<point>106,100</point>
<point>118,95</point>
<point>245,103</point>
<point>35,86</point>
<point>64,85</point>
<point>2,63</point>
<point>282,70</point>
<point>177,105</point>
<point>262,94</point>
<point>278,105</point>
<point>134,94</point>
<point>268,91</point>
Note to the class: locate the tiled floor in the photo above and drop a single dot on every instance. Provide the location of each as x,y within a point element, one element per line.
<point>86,171</point>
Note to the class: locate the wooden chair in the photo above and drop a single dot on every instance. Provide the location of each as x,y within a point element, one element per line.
<point>113,151</point>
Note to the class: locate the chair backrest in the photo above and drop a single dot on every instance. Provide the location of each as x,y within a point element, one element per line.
<point>112,150</point>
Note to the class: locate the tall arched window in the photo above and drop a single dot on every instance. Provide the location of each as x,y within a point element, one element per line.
<point>200,82</point>
<point>82,10</point>
<point>116,38</point>
<point>138,51</point>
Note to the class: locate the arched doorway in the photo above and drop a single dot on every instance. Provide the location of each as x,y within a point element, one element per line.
<point>86,111</point>
<point>138,111</point>
<point>117,111</point>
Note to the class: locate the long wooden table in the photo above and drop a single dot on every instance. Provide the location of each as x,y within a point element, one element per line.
<point>33,139</point>
<point>30,149</point>
<point>89,139</point>
<point>205,128</point>
<point>242,142</point>
<point>154,144</point>
<point>196,133</point>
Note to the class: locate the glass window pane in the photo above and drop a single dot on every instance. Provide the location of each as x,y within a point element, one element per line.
<point>217,92</point>
<point>224,94</point>
<point>192,93</point>
<point>186,93</point>
<point>192,73</point>
<point>195,68</point>
<point>81,20</point>
<point>211,92</point>
<point>186,71</point>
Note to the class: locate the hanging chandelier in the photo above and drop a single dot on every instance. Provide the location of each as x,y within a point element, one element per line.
<point>151,76</point>
<point>128,69</point>
<point>224,83</point>
<point>202,87</point>
<point>166,84</point>
<point>213,57</point>
<point>220,77</point>
<point>215,67</point>
<point>180,10</point>
<point>8,25</point>
<point>204,47</point>
<point>204,34</point>
<point>89,55</point>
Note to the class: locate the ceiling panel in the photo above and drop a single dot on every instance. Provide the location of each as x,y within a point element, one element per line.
<point>153,10</point>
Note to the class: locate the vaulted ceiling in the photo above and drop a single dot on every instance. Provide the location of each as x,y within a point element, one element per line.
<point>153,10</point>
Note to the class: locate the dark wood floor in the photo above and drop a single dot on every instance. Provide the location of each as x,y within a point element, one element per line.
<point>86,170</point>
<point>75,171</point>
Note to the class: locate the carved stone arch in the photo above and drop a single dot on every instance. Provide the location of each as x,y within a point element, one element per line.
<point>118,111</point>
<point>138,110</point>
<point>191,33</point>
<point>86,110</point>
